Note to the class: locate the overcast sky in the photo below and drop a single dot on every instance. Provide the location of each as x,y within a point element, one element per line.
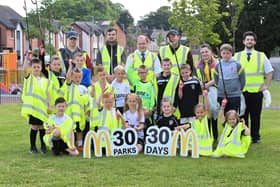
<point>137,8</point>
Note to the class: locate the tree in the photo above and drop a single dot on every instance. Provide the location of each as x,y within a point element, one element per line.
<point>263,18</point>
<point>228,24</point>
<point>196,18</point>
<point>157,20</point>
<point>126,19</point>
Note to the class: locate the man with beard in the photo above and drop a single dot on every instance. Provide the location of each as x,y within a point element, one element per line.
<point>110,55</point>
<point>258,73</point>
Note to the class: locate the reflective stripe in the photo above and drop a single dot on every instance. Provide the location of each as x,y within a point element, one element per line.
<point>173,87</point>
<point>45,101</point>
<point>40,111</point>
<point>184,55</point>
<point>163,52</point>
<point>72,114</point>
<point>259,61</point>
<point>253,85</point>
<point>234,140</point>
<point>255,74</point>
<point>222,137</point>
<point>208,148</point>
<point>105,63</point>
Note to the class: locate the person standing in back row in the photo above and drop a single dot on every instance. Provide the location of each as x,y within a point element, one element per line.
<point>258,73</point>
<point>111,54</point>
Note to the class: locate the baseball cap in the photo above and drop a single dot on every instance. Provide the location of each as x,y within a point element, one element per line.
<point>172,31</point>
<point>72,34</point>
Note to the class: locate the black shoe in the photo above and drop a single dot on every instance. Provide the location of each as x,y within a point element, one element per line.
<point>33,150</point>
<point>256,141</point>
<point>43,149</point>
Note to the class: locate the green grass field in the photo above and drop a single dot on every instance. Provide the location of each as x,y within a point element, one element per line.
<point>19,168</point>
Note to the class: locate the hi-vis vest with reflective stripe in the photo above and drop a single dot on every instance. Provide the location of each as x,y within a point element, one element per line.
<point>56,91</point>
<point>204,137</point>
<point>105,120</point>
<point>232,143</point>
<point>97,94</point>
<point>149,62</point>
<point>66,129</point>
<point>73,99</point>
<point>106,59</point>
<point>170,89</point>
<point>181,53</point>
<point>63,67</point>
<point>35,98</point>
<point>254,70</point>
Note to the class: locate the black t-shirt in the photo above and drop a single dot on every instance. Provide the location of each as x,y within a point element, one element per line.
<point>161,83</point>
<point>171,122</point>
<point>191,92</point>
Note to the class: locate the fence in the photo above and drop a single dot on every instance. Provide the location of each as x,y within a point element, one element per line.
<point>11,78</point>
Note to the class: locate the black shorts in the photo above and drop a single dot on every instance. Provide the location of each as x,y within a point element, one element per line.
<point>140,141</point>
<point>34,121</point>
<point>59,147</point>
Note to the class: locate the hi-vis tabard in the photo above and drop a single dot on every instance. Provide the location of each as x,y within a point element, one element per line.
<point>106,59</point>
<point>232,143</point>
<point>66,130</point>
<point>149,62</point>
<point>204,137</point>
<point>35,97</point>
<point>254,70</point>
<point>181,53</point>
<point>56,91</point>
<point>73,99</point>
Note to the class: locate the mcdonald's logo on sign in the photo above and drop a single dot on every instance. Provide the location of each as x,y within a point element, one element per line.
<point>187,139</point>
<point>98,139</point>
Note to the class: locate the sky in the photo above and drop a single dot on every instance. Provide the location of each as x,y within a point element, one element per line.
<point>137,8</point>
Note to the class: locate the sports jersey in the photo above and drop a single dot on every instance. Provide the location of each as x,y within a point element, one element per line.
<point>132,120</point>
<point>122,89</point>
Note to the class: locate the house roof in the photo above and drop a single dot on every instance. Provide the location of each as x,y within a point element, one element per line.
<point>88,27</point>
<point>10,18</point>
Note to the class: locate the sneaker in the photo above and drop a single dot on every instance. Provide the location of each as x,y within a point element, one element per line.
<point>33,150</point>
<point>256,141</point>
<point>43,149</point>
<point>80,148</point>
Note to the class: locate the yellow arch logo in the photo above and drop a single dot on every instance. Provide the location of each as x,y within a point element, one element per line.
<point>187,138</point>
<point>97,140</point>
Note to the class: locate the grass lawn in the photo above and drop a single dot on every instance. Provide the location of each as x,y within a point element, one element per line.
<point>19,168</point>
<point>274,90</point>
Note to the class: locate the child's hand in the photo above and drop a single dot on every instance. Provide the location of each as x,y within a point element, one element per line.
<point>181,85</point>
<point>49,111</point>
<point>92,83</point>
<point>118,115</point>
<point>224,102</point>
<point>205,93</point>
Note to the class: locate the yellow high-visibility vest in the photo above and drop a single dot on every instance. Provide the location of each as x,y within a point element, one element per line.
<point>254,70</point>
<point>106,59</point>
<point>35,98</point>
<point>181,53</point>
<point>204,137</point>
<point>66,129</point>
<point>232,143</point>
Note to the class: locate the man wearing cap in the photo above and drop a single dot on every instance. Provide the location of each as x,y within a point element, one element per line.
<point>142,56</point>
<point>258,73</point>
<point>178,53</point>
<point>111,54</point>
<point>66,54</point>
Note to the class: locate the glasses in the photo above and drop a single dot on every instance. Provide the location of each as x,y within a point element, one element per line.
<point>142,72</point>
<point>72,38</point>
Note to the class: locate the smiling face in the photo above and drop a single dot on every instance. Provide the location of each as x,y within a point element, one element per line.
<point>166,108</point>
<point>185,73</point>
<point>199,112</point>
<point>77,77</point>
<point>108,101</point>
<point>173,39</point>
<point>111,36</point>
<point>55,65</point>
<point>132,101</point>
<point>142,43</point>
<point>249,42</point>
<point>205,53</point>
<point>60,108</point>
<point>166,66</point>
<point>36,69</point>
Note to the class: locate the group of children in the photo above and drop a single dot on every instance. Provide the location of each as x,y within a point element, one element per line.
<point>65,107</point>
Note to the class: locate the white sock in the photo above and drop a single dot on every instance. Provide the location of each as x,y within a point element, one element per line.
<point>80,142</point>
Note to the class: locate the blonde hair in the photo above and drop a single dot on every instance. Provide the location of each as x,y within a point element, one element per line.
<point>199,106</point>
<point>233,112</point>
<point>119,68</point>
<point>139,106</point>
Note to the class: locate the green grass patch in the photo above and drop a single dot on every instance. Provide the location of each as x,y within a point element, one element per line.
<point>19,168</point>
<point>274,90</point>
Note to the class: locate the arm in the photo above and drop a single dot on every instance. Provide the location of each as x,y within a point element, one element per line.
<point>123,58</point>
<point>190,61</point>
<point>241,74</point>
<point>26,63</point>
<point>246,129</point>
<point>180,90</point>
<point>69,74</point>
<point>268,78</point>
<point>98,58</point>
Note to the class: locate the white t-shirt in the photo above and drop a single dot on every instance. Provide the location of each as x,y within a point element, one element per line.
<point>59,120</point>
<point>83,90</point>
<point>131,118</point>
<point>122,89</point>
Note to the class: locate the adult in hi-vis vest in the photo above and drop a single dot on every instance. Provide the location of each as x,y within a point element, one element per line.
<point>66,54</point>
<point>178,53</point>
<point>258,72</point>
<point>111,54</point>
<point>142,56</point>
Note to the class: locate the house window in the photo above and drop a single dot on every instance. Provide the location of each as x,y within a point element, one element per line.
<point>12,34</point>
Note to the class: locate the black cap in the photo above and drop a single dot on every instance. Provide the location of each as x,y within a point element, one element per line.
<point>72,34</point>
<point>173,31</point>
